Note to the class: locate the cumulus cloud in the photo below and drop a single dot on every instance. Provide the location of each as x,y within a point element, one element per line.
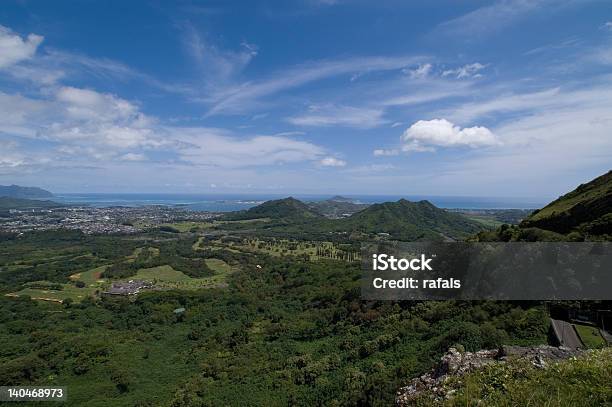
<point>607,25</point>
<point>101,119</point>
<point>346,116</point>
<point>426,135</point>
<point>83,125</point>
<point>14,49</point>
<point>87,104</point>
<point>465,71</point>
<point>332,162</point>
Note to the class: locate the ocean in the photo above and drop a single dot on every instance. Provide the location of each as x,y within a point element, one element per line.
<point>235,202</point>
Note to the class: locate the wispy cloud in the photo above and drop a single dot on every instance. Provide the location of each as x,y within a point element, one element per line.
<point>466,71</point>
<point>503,103</point>
<point>333,115</point>
<point>217,65</point>
<point>215,147</point>
<point>420,72</point>
<point>381,152</point>
<point>332,162</point>
<point>492,18</point>
<point>107,69</point>
<point>243,97</point>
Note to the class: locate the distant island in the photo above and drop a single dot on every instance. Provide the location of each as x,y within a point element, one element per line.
<point>16,191</point>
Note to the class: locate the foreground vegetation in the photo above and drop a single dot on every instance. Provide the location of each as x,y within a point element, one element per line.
<point>582,381</point>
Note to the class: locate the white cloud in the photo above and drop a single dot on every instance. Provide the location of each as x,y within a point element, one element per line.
<point>505,103</point>
<point>290,133</point>
<point>366,170</point>
<point>133,157</point>
<point>85,104</point>
<point>56,64</point>
<point>607,25</point>
<point>14,49</point>
<point>101,119</point>
<point>248,95</point>
<point>346,116</point>
<point>332,162</point>
<point>217,148</point>
<point>86,126</point>
<point>426,135</point>
<point>11,161</point>
<point>465,71</point>
<point>430,91</point>
<point>568,143</point>
<point>420,72</point>
<point>492,18</point>
<point>385,153</point>
<point>217,65</point>
<point>19,113</point>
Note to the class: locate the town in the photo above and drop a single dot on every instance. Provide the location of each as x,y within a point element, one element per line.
<point>90,220</point>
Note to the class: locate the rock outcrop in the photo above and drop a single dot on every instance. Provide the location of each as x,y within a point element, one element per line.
<point>455,364</point>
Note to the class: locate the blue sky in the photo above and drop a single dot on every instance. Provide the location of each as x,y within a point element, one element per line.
<point>472,98</point>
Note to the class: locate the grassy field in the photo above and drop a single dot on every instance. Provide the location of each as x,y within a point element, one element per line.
<point>162,276</point>
<point>188,226</point>
<point>202,226</point>
<point>218,266</point>
<point>486,221</point>
<point>134,255</point>
<point>198,244</point>
<point>590,336</point>
<point>67,291</point>
<point>90,277</point>
<point>167,277</point>
<point>284,247</point>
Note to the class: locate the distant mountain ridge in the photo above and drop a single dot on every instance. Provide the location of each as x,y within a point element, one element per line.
<point>288,208</point>
<point>403,220</point>
<point>340,198</point>
<point>337,207</point>
<point>16,191</point>
<point>407,220</point>
<point>21,203</point>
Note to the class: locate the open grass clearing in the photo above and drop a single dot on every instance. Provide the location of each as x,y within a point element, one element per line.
<point>167,277</point>
<point>90,277</point>
<point>68,291</point>
<point>590,336</point>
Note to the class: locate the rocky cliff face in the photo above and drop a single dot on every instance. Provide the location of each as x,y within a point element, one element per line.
<point>440,383</point>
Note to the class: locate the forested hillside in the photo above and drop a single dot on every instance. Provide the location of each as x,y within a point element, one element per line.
<point>583,214</point>
<point>401,220</point>
<point>16,191</point>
